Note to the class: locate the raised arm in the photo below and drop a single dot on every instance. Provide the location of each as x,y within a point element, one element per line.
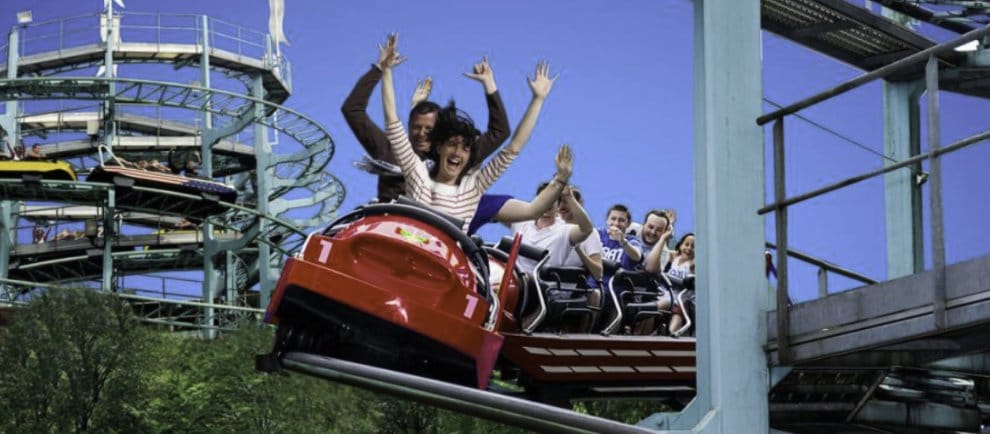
<point>412,167</point>
<point>632,248</point>
<point>582,227</point>
<point>658,255</point>
<point>389,58</point>
<point>540,84</point>
<point>498,120</point>
<point>422,92</point>
<point>369,135</point>
<point>518,211</point>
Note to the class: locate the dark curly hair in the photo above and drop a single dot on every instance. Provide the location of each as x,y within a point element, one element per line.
<point>452,122</point>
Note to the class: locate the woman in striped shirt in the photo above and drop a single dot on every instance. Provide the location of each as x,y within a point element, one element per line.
<point>449,186</point>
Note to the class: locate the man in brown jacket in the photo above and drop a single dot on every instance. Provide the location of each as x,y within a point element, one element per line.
<point>422,118</point>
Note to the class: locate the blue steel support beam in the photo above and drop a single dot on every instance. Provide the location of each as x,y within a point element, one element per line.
<point>7,243</point>
<point>902,194</point>
<point>109,127</point>
<point>110,231</point>
<point>729,187</point>
<point>9,125</point>
<point>206,147</point>
<point>265,175</point>
<point>210,247</point>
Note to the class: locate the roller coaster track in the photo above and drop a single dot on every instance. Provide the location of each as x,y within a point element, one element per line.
<point>283,237</point>
<point>298,192</point>
<point>297,169</point>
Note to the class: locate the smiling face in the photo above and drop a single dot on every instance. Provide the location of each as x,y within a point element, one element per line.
<point>687,246</point>
<point>654,226</point>
<point>618,219</point>
<point>420,126</point>
<point>454,156</point>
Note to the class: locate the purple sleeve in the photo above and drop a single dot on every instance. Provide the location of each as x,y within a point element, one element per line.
<point>487,209</point>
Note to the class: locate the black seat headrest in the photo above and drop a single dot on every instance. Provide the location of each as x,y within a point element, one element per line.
<point>525,250</point>
<point>635,279</point>
<point>576,275</point>
<point>685,283</point>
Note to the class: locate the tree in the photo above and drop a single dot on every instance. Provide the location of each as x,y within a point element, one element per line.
<point>70,362</point>
<point>211,386</point>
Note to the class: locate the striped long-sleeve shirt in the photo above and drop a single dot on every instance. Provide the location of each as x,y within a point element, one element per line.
<point>461,200</point>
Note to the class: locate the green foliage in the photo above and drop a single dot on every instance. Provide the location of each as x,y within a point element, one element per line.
<point>629,411</point>
<point>211,386</point>
<point>76,360</point>
<point>71,363</point>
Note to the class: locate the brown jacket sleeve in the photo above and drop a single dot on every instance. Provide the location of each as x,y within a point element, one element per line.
<point>498,126</point>
<point>355,110</point>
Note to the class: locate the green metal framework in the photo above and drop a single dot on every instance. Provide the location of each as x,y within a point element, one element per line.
<point>280,195</point>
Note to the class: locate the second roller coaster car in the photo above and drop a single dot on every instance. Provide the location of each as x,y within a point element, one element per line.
<point>37,169</point>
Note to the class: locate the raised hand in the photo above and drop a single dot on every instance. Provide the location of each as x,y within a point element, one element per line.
<point>422,92</point>
<point>541,82</point>
<point>565,163</point>
<point>483,73</point>
<point>616,234</point>
<point>671,215</point>
<point>388,55</point>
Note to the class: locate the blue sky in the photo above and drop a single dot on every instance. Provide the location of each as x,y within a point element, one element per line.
<point>623,101</point>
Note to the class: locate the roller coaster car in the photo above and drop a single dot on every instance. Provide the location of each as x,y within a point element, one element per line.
<point>395,286</point>
<point>36,170</point>
<point>399,287</point>
<point>208,191</point>
<point>555,354</point>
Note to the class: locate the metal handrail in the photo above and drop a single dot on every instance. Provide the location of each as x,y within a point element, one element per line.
<point>782,202</point>
<point>823,264</point>
<point>249,42</point>
<point>976,138</point>
<point>878,73</point>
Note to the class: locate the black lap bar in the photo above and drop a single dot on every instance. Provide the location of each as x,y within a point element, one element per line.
<point>526,251</point>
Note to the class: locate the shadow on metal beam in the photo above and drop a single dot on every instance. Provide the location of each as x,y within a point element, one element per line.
<point>488,405</point>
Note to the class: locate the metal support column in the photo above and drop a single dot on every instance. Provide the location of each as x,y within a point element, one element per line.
<point>780,222</point>
<point>206,146</point>
<point>935,194</point>
<point>8,239</point>
<point>109,127</point>
<point>10,127</point>
<point>902,190</point>
<point>210,248</point>
<point>8,122</point>
<point>109,234</point>
<point>265,175</point>
<point>210,280</point>
<point>732,371</point>
<point>230,278</point>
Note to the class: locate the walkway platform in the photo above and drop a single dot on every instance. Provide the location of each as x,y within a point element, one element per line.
<point>892,322</point>
<point>81,259</point>
<point>45,213</point>
<point>860,38</point>
<point>276,86</point>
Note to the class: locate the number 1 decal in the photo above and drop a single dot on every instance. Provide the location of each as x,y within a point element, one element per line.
<point>472,302</point>
<point>325,252</point>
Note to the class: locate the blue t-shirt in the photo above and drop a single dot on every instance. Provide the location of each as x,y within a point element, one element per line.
<point>612,251</point>
<point>487,209</point>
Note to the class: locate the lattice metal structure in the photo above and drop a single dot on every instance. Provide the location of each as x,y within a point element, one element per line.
<point>133,239</point>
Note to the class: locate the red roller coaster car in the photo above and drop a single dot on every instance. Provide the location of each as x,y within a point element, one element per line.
<point>401,287</point>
